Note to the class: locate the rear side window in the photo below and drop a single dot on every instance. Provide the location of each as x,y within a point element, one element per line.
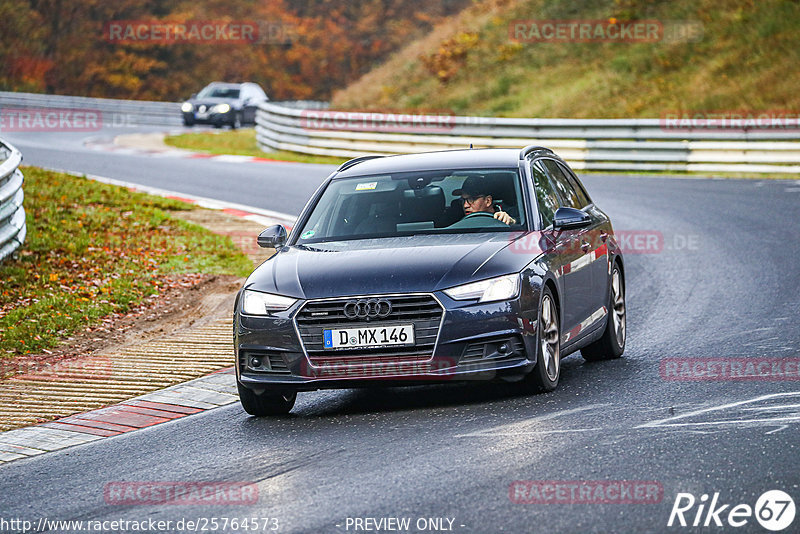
<point>565,190</point>
<point>546,196</point>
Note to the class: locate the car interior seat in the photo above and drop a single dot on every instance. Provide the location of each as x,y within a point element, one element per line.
<point>379,216</point>
<point>421,208</point>
<point>504,192</point>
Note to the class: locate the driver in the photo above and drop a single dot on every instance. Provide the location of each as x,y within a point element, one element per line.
<point>476,197</point>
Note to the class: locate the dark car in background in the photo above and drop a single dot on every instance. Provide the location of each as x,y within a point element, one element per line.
<point>385,281</point>
<point>224,104</point>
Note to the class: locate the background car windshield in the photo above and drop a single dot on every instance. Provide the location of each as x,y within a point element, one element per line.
<point>412,203</point>
<point>218,91</point>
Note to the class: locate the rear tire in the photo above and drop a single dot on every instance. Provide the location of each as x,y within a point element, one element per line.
<point>268,403</point>
<point>547,372</point>
<point>611,344</point>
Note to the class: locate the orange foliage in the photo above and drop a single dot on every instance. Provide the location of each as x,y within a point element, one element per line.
<point>304,50</point>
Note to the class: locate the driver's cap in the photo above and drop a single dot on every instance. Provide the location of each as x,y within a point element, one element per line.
<point>474,186</point>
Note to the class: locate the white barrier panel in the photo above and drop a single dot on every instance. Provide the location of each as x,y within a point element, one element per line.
<point>12,214</point>
<point>769,146</point>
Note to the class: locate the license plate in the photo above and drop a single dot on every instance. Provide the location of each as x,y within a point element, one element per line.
<point>372,336</point>
<point>201,115</point>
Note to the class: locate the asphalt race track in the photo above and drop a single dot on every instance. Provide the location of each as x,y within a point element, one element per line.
<point>721,281</point>
<point>284,186</point>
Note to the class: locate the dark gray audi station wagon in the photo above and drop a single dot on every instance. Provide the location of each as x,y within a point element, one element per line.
<point>441,266</point>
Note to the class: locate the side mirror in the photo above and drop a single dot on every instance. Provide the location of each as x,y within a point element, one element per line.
<point>567,218</point>
<point>193,96</point>
<point>272,237</point>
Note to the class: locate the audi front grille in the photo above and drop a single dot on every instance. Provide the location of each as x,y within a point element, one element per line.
<point>423,311</point>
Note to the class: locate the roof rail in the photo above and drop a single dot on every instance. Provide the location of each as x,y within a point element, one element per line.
<point>355,161</point>
<point>532,148</point>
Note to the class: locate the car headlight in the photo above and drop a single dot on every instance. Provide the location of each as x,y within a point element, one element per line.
<point>221,108</point>
<point>500,288</point>
<point>257,303</point>
<point>186,107</point>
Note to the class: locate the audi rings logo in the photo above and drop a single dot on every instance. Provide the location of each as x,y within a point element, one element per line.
<point>367,308</point>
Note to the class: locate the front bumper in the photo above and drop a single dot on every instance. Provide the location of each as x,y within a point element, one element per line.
<point>209,118</point>
<point>473,342</point>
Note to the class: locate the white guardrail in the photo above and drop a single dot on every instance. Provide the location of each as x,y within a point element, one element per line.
<point>12,214</point>
<point>587,144</point>
<point>112,112</point>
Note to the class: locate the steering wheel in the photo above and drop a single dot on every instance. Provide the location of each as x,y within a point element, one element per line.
<point>480,213</point>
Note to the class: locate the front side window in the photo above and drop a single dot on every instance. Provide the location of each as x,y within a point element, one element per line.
<point>546,196</point>
<point>412,203</point>
<point>583,196</point>
<point>565,190</point>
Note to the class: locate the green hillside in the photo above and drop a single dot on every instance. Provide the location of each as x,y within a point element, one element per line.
<point>746,59</point>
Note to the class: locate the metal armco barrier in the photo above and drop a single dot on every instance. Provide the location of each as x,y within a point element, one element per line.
<point>587,144</point>
<point>12,214</point>
<point>113,112</point>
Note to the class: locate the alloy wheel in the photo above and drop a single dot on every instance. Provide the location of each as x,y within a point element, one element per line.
<point>618,303</point>
<point>550,346</point>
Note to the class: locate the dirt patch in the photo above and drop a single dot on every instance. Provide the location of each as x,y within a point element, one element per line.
<point>189,300</point>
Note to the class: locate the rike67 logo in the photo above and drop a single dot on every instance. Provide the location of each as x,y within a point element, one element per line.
<point>774,510</point>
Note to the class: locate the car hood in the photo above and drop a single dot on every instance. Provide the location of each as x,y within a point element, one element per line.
<point>392,265</point>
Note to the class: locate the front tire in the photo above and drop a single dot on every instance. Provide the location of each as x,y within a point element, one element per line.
<point>268,403</point>
<point>547,372</point>
<point>611,344</point>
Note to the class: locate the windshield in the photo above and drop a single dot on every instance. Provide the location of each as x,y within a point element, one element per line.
<point>452,201</point>
<point>219,91</point>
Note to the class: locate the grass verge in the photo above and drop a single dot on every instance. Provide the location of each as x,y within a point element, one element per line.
<point>714,56</point>
<point>240,142</point>
<point>92,250</point>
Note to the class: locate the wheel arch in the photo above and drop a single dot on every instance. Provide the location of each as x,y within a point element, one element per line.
<point>550,283</point>
<point>619,261</point>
